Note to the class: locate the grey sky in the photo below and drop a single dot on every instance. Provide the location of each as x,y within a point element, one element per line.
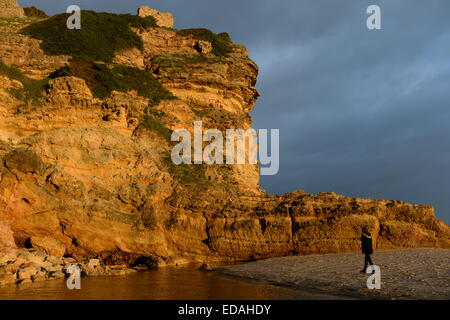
<point>362,113</point>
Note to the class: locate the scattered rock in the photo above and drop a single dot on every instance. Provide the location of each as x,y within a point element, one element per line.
<point>93,267</point>
<point>121,272</point>
<point>68,261</point>
<point>14,266</point>
<point>28,272</point>
<point>207,267</point>
<point>54,268</point>
<point>54,260</point>
<point>7,278</point>
<point>6,258</point>
<point>93,263</point>
<point>31,265</point>
<point>37,257</point>
<point>56,275</point>
<point>40,276</point>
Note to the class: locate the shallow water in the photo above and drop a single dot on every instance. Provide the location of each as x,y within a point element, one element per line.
<point>181,283</point>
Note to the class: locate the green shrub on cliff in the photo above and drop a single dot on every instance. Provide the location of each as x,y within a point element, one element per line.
<point>187,174</point>
<point>153,121</point>
<point>170,60</point>
<point>225,36</point>
<point>220,43</point>
<point>102,80</point>
<point>100,36</point>
<point>33,12</point>
<point>32,89</point>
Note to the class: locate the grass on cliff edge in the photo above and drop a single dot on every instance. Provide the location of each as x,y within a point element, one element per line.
<point>153,121</point>
<point>183,61</point>
<point>32,89</point>
<point>188,175</point>
<point>220,42</point>
<point>33,12</point>
<point>100,37</point>
<point>102,80</point>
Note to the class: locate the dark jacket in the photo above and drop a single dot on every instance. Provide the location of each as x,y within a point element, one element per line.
<point>366,243</point>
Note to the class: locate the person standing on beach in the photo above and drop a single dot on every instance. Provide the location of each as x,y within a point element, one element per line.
<point>366,248</point>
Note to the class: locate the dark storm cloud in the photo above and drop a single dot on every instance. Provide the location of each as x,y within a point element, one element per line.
<point>362,113</point>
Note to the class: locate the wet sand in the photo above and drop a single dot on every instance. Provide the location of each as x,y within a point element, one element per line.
<point>405,274</point>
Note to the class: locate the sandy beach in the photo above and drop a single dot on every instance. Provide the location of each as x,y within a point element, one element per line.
<point>405,274</point>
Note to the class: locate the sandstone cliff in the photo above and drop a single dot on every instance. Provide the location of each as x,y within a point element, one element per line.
<point>84,168</point>
<point>10,9</point>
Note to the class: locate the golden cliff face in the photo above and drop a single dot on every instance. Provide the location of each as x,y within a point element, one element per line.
<point>87,176</point>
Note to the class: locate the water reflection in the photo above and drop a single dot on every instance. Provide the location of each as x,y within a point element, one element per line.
<point>182,283</point>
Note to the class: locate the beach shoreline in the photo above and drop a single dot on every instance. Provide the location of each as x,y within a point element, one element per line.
<point>406,274</point>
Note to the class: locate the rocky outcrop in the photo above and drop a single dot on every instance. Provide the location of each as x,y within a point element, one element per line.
<point>163,19</point>
<point>30,265</point>
<point>10,9</point>
<point>69,90</point>
<point>89,177</point>
<point>26,53</point>
<point>301,223</point>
